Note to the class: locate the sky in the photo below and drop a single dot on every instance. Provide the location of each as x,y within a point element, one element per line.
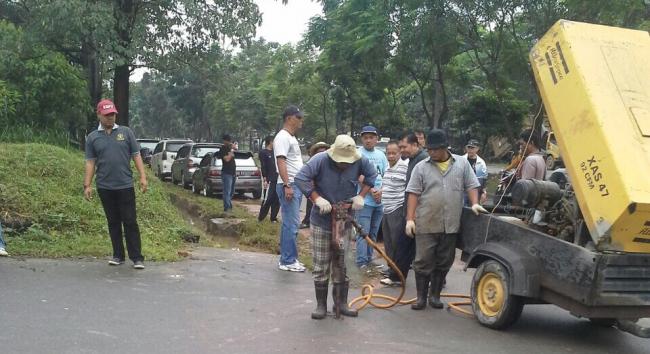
<point>280,23</point>
<point>286,23</point>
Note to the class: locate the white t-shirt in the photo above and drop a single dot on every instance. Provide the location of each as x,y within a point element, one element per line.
<point>287,145</point>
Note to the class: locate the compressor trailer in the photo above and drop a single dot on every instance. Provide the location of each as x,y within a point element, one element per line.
<point>580,240</point>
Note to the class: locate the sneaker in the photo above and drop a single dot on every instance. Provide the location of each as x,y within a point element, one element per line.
<point>3,252</point>
<point>115,261</point>
<point>138,265</point>
<point>376,264</point>
<point>390,282</point>
<point>294,267</point>
<point>365,268</point>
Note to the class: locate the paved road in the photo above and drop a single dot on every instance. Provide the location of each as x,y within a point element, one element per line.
<point>237,302</point>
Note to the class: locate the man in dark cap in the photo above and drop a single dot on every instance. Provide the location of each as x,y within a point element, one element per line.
<point>288,160</point>
<point>434,206</point>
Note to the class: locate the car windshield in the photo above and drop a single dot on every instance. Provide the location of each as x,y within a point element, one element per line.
<point>174,147</point>
<point>148,144</point>
<point>202,151</point>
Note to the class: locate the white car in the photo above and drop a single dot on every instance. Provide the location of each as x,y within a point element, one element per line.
<point>164,155</point>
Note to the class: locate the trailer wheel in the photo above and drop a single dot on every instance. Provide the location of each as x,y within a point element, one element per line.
<point>492,302</point>
<point>603,322</point>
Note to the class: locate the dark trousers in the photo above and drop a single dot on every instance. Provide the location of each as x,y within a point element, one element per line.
<point>404,255</point>
<point>119,207</point>
<point>434,253</point>
<point>308,212</point>
<point>272,202</point>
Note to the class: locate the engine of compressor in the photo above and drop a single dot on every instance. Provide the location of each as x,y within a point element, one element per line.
<point>551,207</point>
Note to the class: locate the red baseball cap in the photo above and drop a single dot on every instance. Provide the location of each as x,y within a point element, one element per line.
<point>106,107</point>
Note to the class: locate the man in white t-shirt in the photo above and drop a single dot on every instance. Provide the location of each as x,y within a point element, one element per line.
<point>288,163</point>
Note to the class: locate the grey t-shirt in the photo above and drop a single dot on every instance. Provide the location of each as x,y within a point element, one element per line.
<point>112,154</point>
<point>440,201</point>
<point>533,167</point>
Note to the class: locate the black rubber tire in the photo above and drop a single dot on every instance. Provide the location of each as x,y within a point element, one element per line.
<point>603,322</point>
<point>207,191</point>
<point>184,183</point>
<point>160,175</point>
<point>257,194</point>
<point>512,306</point>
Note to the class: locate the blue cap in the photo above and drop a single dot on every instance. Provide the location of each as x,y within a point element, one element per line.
<point>369,129</point>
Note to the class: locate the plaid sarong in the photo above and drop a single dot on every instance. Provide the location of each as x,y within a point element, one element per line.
<point>323,255</point>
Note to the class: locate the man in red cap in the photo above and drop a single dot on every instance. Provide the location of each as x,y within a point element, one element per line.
<point>109,150</point>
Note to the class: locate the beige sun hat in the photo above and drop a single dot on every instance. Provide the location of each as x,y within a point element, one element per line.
<point>318,145</point>
<point>344,150</point>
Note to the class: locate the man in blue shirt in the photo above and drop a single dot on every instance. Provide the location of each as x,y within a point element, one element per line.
<point>328,178</point>
<point>370,216</point>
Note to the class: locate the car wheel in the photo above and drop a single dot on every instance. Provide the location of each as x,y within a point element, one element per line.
<point>160,175</point>
<point>257,194</point>
<point>550,162</point>
<point>206,191</point>
<point>185,184</point>
<point>492,303</point>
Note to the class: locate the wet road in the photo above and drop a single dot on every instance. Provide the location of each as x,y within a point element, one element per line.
<point>238,302</point>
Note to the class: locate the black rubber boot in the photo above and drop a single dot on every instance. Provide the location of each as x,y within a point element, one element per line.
<point>422,287</point>
<point>437,280</point>
<point>321,300</point>
<point>345,310</point>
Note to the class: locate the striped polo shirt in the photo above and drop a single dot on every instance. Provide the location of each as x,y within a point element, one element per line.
<point>394,185</point>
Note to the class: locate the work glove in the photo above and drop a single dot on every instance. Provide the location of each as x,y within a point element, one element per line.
<point>357,202</point>
<point>323,205</point>
<point>410,228</point>
<point>477,208</point>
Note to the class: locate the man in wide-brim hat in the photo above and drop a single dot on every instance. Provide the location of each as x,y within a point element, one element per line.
<point>328,178</point>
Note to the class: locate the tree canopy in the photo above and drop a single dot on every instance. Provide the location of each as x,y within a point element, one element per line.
<point>460,65</point>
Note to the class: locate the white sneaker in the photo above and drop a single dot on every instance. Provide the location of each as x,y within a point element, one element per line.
<point>294,267</point>
<point>3,252</point>
<point>390,282</point>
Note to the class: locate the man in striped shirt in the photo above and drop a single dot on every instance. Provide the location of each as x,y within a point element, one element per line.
<point>393,187</point>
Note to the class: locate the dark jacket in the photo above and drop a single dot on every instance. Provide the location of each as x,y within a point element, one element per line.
<point>267,162</point>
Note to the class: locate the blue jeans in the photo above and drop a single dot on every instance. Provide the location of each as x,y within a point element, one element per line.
<point>370,220</point>
<point>2,241</point>
<point>228,190</point>
<point>290,210</point>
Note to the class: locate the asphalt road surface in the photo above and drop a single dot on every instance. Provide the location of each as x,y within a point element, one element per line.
<point>224,301</point>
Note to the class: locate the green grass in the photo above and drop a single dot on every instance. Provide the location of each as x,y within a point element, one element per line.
<point>25,133</point>
<point>41,185</point>
<point>257,236</point>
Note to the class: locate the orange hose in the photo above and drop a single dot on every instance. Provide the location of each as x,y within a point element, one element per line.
<point>368,294</point>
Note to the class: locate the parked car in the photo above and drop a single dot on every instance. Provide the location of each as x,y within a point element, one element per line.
<point>207,178</point>
<point>164,154</point>
<point>146,149</point>
<point>187,160</point>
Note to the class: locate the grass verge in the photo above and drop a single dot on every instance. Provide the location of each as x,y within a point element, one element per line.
<point>45,215</point>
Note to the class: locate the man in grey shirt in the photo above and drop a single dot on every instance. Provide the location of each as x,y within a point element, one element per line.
<point>434,207</point>
<point>109,151</point>
<point>534,165</point>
